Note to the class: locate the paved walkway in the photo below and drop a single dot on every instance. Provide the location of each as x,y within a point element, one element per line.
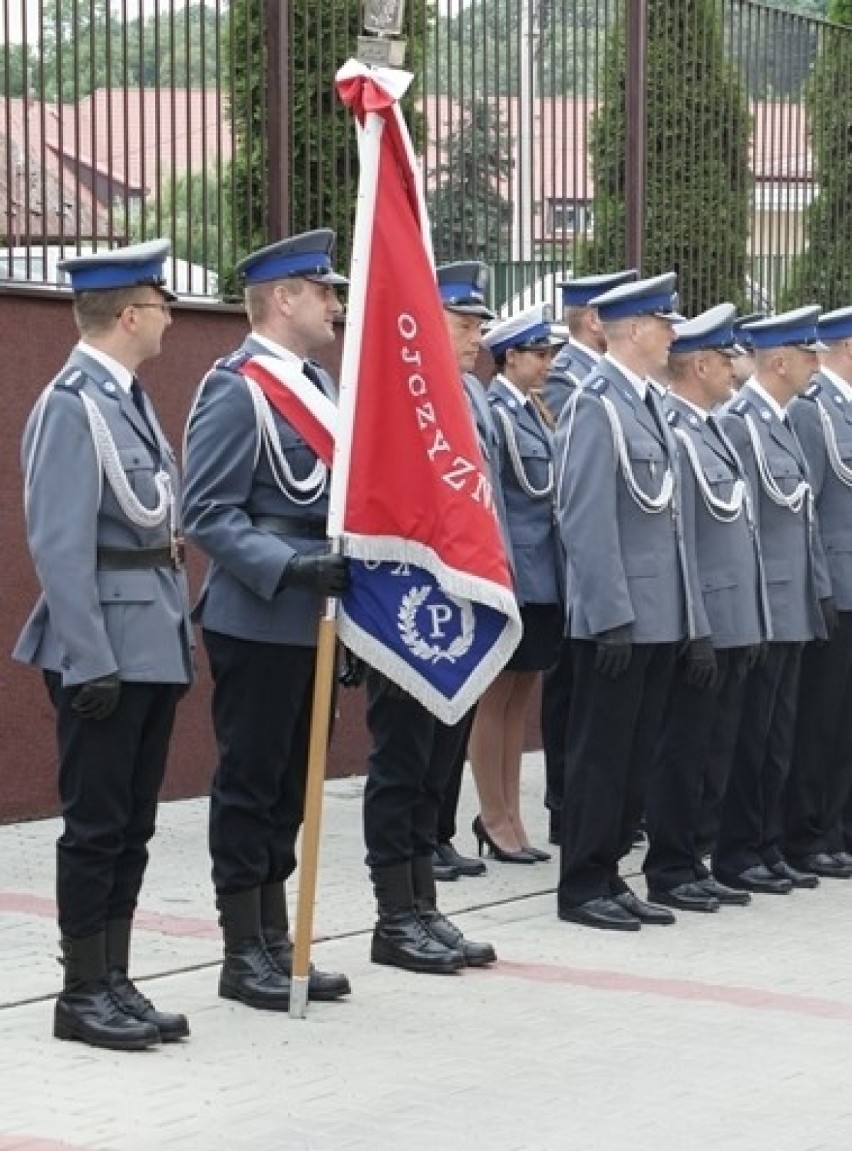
<point>727,1032</point>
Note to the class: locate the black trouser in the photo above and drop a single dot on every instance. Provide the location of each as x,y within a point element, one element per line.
<point>407,771</point>
<point>556,692</point>
<point>751,827</point>
<point>262,703</point>
<point>452,742</point>
<point>110,774</point>
<point>821,771</point>
<point>691,767</point>
<point>613,727</point>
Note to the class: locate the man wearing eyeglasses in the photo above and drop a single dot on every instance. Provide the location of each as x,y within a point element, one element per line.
<point>110,630</point>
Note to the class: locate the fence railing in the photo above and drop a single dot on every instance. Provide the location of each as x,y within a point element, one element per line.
<point>214,122</point>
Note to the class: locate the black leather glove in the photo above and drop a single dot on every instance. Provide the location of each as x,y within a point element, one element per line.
<point>324,572</point>
<point>613,651</point>
<point>829,615</point>
<point>353,670</point>
<point>699,664</point>
<point>98,698</point>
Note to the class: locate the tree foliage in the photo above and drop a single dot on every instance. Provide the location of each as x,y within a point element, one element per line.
<point>477,50</point>
<point>823,274</point>
<point>697,167</point>
<point>86,45</point>
<point>322,174</point>
<point>469,215</point>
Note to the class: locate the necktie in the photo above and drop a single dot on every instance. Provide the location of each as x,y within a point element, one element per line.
<point>312,374</point>
<point>651,405</point>
<point>539,412</point>
<point>138,397</point>
<point>138,401</point>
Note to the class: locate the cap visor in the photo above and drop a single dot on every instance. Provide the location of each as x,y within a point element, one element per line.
<point>332,278</point>
<point>471,310</point>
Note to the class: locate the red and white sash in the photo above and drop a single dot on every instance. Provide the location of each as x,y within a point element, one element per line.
<point>298,400</point>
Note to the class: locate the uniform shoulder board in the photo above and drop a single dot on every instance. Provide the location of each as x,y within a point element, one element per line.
<point>70,380</point>
<point>233,362</point>
<point>812,391</point>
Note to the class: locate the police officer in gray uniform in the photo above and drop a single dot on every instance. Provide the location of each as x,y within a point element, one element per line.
<point>631,599</point>
<point>462,287</point>
<point>744,362</point>
<point>110,630</point>
<point>414,755</point>
<point>571,364</point>
<point>586,341</point>
<point>522,347</point>
<point>821,772</point>
<point>256,504</point>
<point>696,745</point>
<point>749,854</point>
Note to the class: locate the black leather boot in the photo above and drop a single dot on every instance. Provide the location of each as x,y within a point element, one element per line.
<point>322,985</point>
<point>248,973</point>
<point>438,926</point>
<point>87,1009</point>
<point>400,938</point>
<point>170,1025</point>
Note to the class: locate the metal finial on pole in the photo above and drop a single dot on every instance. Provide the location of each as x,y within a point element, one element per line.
<point>384,47</point>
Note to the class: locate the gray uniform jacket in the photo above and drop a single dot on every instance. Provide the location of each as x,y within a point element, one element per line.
<point>489,445</point>
<point>730,564</point>
<point>88,622</point>
<point>570,367</point>
<point>626,565</point>
<point>832,494</point>
<point>531,521</point>
<point>794,562</point>
<point>228,482</point>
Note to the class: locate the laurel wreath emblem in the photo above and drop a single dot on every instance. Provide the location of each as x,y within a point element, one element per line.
<point>409,606</point>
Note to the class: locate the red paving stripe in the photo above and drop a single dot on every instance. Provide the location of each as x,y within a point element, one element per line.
<point>33,1143</point>
<point>183,927</point>
<point>752,998</point>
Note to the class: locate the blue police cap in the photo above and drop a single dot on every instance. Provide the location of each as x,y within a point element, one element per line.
<point>576,293</point>
<point>119,268</point>
<point>653,297</point>
<point>836,325</point>
<point>304,257</point>
<point>798,327</point>
<point>529,330</point>
<point>741,335</point>
<point>462,287</point>
<point>711,330</point>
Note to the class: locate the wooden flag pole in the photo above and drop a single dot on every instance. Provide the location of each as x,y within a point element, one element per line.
<point>309,853</point>
<point>323,681</point>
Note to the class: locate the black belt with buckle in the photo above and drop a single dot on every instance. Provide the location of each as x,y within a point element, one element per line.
<point>305,529</point>
<point>140,559</point>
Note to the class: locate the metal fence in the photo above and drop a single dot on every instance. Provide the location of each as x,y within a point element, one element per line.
<point>214,122</point>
